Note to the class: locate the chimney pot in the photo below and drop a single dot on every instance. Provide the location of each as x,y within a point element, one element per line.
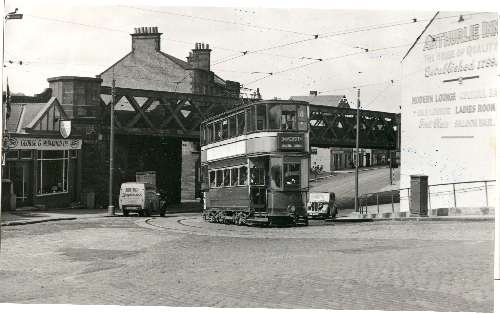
<point>207,46</point>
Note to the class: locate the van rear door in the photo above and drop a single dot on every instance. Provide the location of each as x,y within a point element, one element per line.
<point>132,196</point>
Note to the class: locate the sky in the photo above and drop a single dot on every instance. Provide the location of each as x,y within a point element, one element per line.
<point>353,48</point>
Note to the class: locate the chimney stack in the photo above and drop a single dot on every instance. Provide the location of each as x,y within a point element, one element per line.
<point>146,39</point>
<point>199,57</point>
<point>313,93</point>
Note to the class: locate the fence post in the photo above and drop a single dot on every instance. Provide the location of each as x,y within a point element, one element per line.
<point>429,195</point>
<point>392,201</point>
<point>486,191</point>
<point>454,196</point>
<point>378,210</point>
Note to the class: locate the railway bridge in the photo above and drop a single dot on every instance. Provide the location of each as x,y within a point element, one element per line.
<point>178,115</point>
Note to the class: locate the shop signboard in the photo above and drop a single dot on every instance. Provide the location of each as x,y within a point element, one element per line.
<point>14,143</point>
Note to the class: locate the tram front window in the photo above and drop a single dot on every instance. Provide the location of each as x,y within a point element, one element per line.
<point>288,120</point>
<point>257,176</point>
<point>291,174</point>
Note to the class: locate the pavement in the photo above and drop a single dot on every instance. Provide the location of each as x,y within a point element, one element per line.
<point>181,260</point>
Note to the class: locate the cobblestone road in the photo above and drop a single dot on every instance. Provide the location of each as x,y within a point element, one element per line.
<point>182,261</point>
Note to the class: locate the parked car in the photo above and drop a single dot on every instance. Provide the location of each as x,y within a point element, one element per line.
<point>321,205</point>
<point>141,198</point>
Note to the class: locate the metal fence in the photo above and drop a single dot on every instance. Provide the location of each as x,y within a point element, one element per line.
<point>444,195</point>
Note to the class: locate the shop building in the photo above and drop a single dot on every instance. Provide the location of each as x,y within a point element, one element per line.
<point>43,166</point>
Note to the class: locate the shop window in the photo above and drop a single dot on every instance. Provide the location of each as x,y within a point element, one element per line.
<point>241,123</point>
<point>232,126</point>
<point>234,176</point>
<point>25,154</point>
<point>12,154</point>
<point>52,173</point>
<point>291,174</point>
<point>225,129</point>
<point>218,181</point>
<point>243,176</point>
<point>227,178</point>
<point>257,176</point>
<point>212,179</point>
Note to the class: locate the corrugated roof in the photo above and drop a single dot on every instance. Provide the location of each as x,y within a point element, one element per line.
<point>322,100</point>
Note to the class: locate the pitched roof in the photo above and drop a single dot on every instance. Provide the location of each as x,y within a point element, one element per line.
<point>323,100</point>
<point>21,115</point>
<point>26,115</point>
<point>179,62</point>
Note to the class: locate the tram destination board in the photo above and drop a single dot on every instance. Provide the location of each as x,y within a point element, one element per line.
<point>291,142</point>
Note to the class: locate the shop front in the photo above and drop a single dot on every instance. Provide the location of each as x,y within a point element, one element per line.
<point>44,170</point>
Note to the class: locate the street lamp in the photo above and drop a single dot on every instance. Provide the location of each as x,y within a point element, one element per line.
<point>356,181</point>
<point>10,16</point>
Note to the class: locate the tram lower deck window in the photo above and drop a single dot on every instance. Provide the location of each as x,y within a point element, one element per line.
<point>242,180</point>
<point>218,178</point>
<point>226,177</point>
<point>291,174</point>
<point>212,179</point>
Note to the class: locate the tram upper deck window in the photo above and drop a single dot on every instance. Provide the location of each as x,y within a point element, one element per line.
<point>232,126</point>
<point>288,120</point>
<point>225,129</point>
<point>261,117</point>
<point>291,174</point>
<point>251,119</point>
<point>218,131</point>
<point>241,123</point>
<point>274,116</point>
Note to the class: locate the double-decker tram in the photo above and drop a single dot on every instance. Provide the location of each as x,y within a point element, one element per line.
<point>255,164</point>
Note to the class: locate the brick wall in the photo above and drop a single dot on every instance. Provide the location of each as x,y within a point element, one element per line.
<point>190,161</point>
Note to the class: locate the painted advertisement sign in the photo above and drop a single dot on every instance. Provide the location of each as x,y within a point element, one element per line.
<point>449,101</point>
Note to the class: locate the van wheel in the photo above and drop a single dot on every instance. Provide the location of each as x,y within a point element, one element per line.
<point>162,213</point>
<point>147,212</point>
<point>125,213</point>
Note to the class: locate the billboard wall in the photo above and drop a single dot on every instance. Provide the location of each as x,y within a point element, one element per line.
<point>449,102</point>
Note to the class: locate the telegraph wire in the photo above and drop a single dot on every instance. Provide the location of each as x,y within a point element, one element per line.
<point>220,21</point>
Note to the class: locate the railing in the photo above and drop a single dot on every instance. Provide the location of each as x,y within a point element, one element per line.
<point>444,195</point>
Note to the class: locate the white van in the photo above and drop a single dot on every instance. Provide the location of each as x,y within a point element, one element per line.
<point>321,205</point>
<point>141,198</point>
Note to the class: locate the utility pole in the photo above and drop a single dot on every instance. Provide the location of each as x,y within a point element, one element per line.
<point>10,16</point>
<point>111,208</point>
<point>356,192</point>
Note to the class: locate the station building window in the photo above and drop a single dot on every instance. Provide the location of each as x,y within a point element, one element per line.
<point>52,171</point>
